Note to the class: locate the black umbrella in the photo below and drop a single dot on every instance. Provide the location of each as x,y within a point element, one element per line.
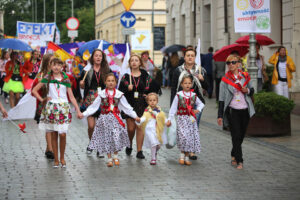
<point>174,48</point>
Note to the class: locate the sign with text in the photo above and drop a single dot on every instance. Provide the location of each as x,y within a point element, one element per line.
<point>252,16</point>
<point>159,38</point>
<point>141,40</point>
<point>35,34</point>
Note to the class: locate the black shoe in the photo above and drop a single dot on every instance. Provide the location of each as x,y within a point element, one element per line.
<point>99,155</point>
<point>193,157</point>
<point>128,151</point>
<point>89,151</point>
<point>49,154</point>
<point>140,155</point>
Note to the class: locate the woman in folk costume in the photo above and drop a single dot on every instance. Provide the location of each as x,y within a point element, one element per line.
<point>13,79</point>
<point>135,87</point>
<point>56,115</point>
<point>31,68</point>
<point>188,138</point>
<point>92,81</point>
<point>235,106</point>
<point>110,135</point>
<point>153,126</point>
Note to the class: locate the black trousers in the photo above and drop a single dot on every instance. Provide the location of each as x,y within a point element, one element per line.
<point>238,122</point>
<point>218,81</point>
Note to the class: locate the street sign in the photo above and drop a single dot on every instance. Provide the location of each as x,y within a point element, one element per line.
<point>128,19</point>
<point>128,31</point>
<point>127,4</point>
<point>72,33</point>
<point>72,23</point>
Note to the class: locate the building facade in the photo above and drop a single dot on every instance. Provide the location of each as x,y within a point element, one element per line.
<point>109,27</point>
<point>213,22</point>
<point>1,23</point>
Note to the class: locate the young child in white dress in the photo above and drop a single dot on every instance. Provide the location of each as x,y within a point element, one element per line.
<point>153,126</point>
<point>110,135</point>
<point>188,139</point>
<point>56,115</point>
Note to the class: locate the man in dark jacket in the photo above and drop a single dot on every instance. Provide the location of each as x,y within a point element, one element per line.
<point>207,64</point>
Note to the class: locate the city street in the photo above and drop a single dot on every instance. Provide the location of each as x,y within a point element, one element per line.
<point>269,173</point>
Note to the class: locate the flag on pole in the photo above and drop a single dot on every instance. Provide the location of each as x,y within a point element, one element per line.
<point>59,52</point>
<point>198,56</point>
<point>100,45</point>
<point>124,68</point>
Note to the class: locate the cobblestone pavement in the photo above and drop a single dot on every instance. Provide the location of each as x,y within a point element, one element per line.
<point>26,174</point>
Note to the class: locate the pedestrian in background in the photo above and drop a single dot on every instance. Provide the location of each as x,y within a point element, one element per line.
<point>206,62</point>
<point>165,70</point>
<point>188,138</point>
<point>172,65</point>
<point>235,106</point>
<point>282,73</point>
<point>147,63</point>
<point>112,137</point>
<point>218,72</point>
<point>4,59</point>
<point>135,87</point>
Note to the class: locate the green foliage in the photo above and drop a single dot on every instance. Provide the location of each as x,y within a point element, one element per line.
<point>268,84</point>
<point>21,10</point>
<point>274,105</point>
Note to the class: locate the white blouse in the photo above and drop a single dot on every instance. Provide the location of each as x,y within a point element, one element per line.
<point>57,93</point>
<point>174,107</point>
<point>282,69</point>
<point>122,106</point>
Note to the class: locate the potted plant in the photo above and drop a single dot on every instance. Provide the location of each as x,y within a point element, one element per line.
<point>272,115</point>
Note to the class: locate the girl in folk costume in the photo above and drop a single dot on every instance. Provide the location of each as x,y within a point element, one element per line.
<point>31,68</point>
<point>188,139</point>
<point>13,79</point>
<point>235,106</point>
<point>56,116</point>
<point>110,135</point>
<point>153,125</point>
<point>135,87</point>
<point>92,81</point>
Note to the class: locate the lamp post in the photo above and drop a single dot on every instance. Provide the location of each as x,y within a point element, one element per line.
<point>252,68</point>
<point>152,28</point>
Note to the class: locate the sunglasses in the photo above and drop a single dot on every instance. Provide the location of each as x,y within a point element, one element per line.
<point>232,62</point>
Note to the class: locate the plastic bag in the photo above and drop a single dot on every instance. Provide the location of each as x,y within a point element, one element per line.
<point>171,134</point>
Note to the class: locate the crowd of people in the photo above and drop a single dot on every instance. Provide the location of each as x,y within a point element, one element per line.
<point>107,105</point>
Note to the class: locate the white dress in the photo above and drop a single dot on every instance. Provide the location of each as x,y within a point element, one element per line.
<point>150,139</point>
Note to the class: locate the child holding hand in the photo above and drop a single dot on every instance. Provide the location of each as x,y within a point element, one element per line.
<point>188,139</point>
<point>110,135</point>
<point>153,126</point>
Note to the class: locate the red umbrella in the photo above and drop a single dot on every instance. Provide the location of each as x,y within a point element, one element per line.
<point>224,52</point>
<point>260,39</point>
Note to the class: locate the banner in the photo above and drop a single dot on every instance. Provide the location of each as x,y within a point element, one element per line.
<point>36,34</point>
<point>141,40</point>
<point>252,16</point>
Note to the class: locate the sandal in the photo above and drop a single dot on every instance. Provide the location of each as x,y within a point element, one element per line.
<point>233,161</point>
<point>153,162</point>
<point>55,165</point>
<point>240,166</point>
<point>110,163</point>
<point>192,156</point>
<point>116,161</point>
<point>63,164</point>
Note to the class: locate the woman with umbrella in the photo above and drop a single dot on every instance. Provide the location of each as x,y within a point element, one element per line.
<point>235,106</point>
<point>13,80</point>
<point>92,81</point>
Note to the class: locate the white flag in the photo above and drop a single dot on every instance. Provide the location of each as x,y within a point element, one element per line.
<point>124,68</point>
<point>198,57</point>
<point>100,45</point>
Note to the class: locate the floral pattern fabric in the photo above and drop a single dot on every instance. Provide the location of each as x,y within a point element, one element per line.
<point>56,116</point>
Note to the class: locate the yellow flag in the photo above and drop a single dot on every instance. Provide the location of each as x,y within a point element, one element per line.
<point>127,4</point>
<point>86,55</point>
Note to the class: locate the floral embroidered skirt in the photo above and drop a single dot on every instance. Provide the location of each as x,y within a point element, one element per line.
<point>88,100</point>
<point>56,117</point>
<point>109,135</point>
<point>188,137</point>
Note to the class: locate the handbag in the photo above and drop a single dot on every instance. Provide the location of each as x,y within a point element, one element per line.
<point>172,134</point>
